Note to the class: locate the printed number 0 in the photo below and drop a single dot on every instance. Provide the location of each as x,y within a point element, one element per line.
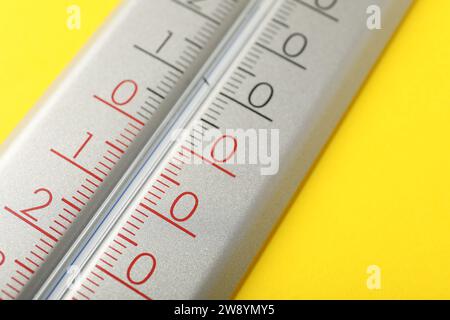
<point>324,6</point>
<point>134,89</point>
<point>267,91</point>
<point>290,50</point>
<point>224,140</point>
<point>149,273</point>
<point>191,213</point>
<point>2,258</point>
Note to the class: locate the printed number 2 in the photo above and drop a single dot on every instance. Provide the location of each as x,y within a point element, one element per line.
<point>47,203</point>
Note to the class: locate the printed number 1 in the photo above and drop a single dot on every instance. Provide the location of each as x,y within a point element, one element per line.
<point>170,34</point>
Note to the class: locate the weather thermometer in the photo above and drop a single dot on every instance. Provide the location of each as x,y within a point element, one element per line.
<point>160,163</point>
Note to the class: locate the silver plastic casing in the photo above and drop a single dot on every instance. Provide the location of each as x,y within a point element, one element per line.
<point>191,231</point>
<point>76,145</point>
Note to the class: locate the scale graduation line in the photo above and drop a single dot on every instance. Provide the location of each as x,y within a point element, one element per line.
<point>231,216</point>
<point>99,98</point>
<point>173,219</point>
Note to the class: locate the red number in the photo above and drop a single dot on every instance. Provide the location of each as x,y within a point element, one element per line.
<point>128,89</point>
<point>174,204</point>
<point>2,258</point>
<point>224,139</point>
<point>120,86</point>
<point>75,156</point>
<point>148,274</point>
<point>49,200</point>
<point>85,143</point>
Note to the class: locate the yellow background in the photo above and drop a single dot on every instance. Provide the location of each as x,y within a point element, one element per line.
<point>380,194</point>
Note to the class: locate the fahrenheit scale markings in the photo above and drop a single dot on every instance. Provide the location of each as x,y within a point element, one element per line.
<point>60,168</point>
<point>190,230</point>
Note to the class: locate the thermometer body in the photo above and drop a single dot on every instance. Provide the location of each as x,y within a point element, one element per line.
<point>197,218</point>
<point>81,139</point>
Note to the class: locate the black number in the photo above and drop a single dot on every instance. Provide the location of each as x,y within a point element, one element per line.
<point>163,44</point>
<point>267,94</point>
<point>320,5</point>
<point>290,50</point>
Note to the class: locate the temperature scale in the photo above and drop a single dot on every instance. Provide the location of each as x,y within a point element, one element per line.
<point>158,165</point>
